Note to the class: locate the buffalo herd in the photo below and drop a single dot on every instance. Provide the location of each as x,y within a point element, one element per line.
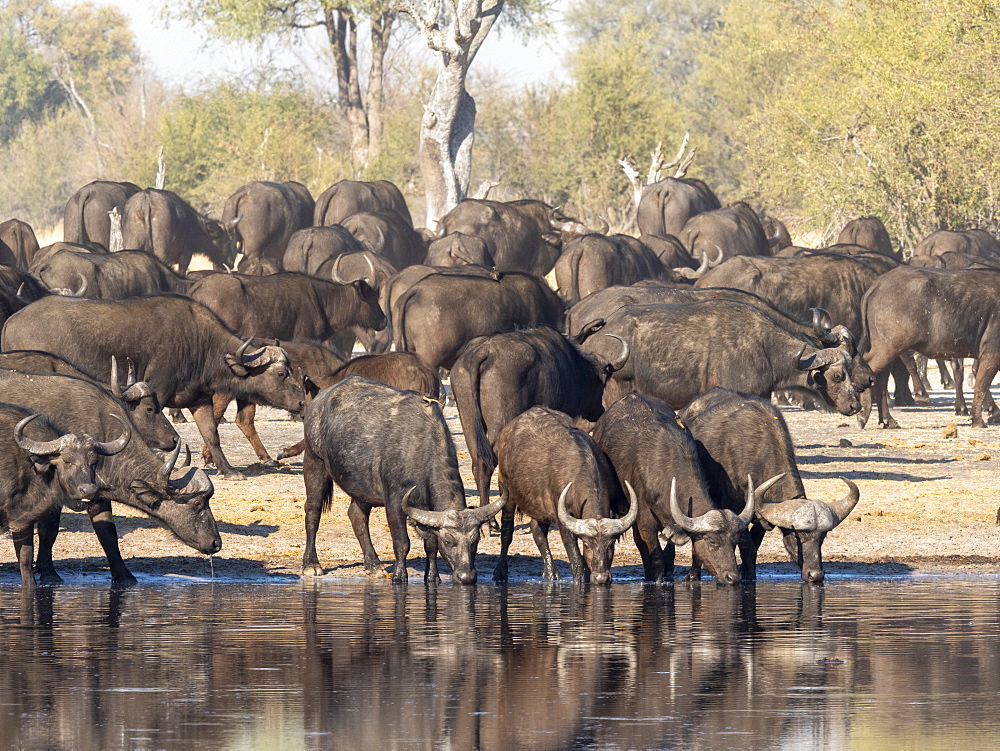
<point>610,382</point>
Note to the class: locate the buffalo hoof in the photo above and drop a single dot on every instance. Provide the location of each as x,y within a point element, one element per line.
<point>49,577</point>
<point>994,419</point>
<point>123,581</point>
<point>904,400</point>
<point>923,401</point>
<point>964,412</point>
<point>400,577</point>
<point>501,576</point>
<point>889,424</point>
<point>978,423</point>
<point>313,569</point>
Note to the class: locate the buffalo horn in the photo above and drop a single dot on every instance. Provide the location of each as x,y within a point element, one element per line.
<point>845,505</point>
<point>34,447</point>
<point>20,290</point>
<point>168,465</point>
<point>117,445</point>
<point>421,516</point>
<point>695,525</point>
<point>130,378</point>
<point>254,360</point>
<point>116,389</point>
<point>620,362</point>
<point>83,287</point>
<point>844,338</point>
<point>816,360</point>
<point>199,483</point>
<point>747,514</point>
<point>605,227</point>
<point>334,273</point>
<point>483,514</point>
<point>719,259</point>
<point>187,456</point>
<point>620,526</point>
<point>696,273</point>
<point>235,221</point>
<point>371,269</point>
<point>571,524</point>
<point>821,323</point>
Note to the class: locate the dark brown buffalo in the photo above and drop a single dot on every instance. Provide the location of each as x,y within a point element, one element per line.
<point>349,197</point>
<point>656,455</point>
<point>438,315</point>
<point>110,276</point>
<point>946,313</point>
<point>732,231</point>
<point>25,286</point>
<point>7,257</point>
<point>555,474</point>
<point>670,251</point>
<point>777,232</point>
<point>459,249</point>
<point>976,242</point>
<point>666,206</point>
<point>520,235</point>
<point>314,249</point>
<point>164,224</point>
<point>401,370</point>
<point>48,251</point>
<point>86,219</point>
<point>367,266</point>
<point>387,234</point>
<point>406,464</point>
<point>42,472</point>
<point>496,378</point>
<point>10,303</point>
<point>261,217</point>
<point>869,232</point>
<point>135,476</point>
<point>680,351</point>
<point>593,262</point>
<point>741,437</point>
<point>20,238</point>
<point>185,352</point>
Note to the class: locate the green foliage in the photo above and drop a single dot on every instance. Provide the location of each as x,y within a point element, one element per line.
<point>25,79</point>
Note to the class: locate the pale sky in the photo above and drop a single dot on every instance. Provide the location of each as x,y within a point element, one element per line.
<point>182,54</point>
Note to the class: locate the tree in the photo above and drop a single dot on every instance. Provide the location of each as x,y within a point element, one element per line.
<point>238,20</point>
<point>454,30</point>
<point>26,86</point>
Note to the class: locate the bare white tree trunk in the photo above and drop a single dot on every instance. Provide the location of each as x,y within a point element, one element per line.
<point>455,29</point>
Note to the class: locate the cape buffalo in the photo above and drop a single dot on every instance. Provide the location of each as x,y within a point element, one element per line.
<point>680,351</point>
<point>164,224</point>
<point>185,352</point>
<point>41,473</point>
<point>135,476</point>
<point>387,234</point>
<point>458,249</point>
<point>593,262</point>
<point>555,474</point>
<point>498,377</point>
<point>349,197</point>
<point>870,232</point>
<point>977,242</point>
<point>86,219</point>
<point>406,464</point>
<point>437,316</point>
<point>112,276</point>
<point>20,238</point>
<point>652,451</point>
<point>261,217</point>
<point>741,436</point>
<point>732,231</point>
<point>666,206</point>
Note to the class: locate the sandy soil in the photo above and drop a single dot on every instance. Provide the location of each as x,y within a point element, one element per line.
<point>928,505</point>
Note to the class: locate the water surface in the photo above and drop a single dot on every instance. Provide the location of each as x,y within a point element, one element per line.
<point>358,664</point>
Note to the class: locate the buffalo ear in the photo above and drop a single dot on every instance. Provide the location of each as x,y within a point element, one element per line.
<point>41,463</point>
<point>235,365</point>
<point>363,287</point>
<point>553,238</point>
<point>309,386</point>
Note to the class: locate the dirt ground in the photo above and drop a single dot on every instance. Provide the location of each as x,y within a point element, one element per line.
<point>928,505</point>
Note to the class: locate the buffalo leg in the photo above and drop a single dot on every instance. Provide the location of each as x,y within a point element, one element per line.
<point>920,395</point>
<point>431,575</point>
<point>245,413</point>
<point>986,369</point>
<point>107,534</point>
<point>656,563</point>
<point>880,395</point>
<point>48,530</point>
<point>209,429</point>
<point>694,573</point>
<point>946,380</point>
<point>540,532</point>
<point>319,491</point>
<point>220,402</point>
<point>960,406</point>
<point>359,513</point>
<point>506,537</point>
<point>901,378</point>
<point>295,450</point>
<point>749,543</point>
<point>400,540</point>
<point>176,416</point>
<point>24,549</point>
<point>577,566</point>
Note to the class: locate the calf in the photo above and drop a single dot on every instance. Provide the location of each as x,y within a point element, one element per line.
<point>650,450</point>
<point>542,456</point>
<point>38,475</point>
<point>406,464</point>
<point>740,437</point>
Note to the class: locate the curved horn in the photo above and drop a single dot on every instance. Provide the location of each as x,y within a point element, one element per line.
<point>844,506</point>
<point>199,483</point>
<point>20,290</point>
<point>83,286</point>
<point>696,273</point>
<point>620,526</point>
<point>485,513</point>
<point>721,257</point>
<point>694,525</point>
<point>571,524</point>
<point>605,227</point>
<point>130,378</point>
<point>421,516</point>
<point>187,456</point>
<point>243,348</point>
<point>116,389</point>
<point>821,322</point>
<point>371,268</point>
<point>34,447</point>
<point>844,338</point>
<point>234,222</point>
<point>168,465</point>
<point>112,448</point>
<point>748,510</point>
<point>818,359</point>
<point>334,273</point>
<point>619,363</point>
